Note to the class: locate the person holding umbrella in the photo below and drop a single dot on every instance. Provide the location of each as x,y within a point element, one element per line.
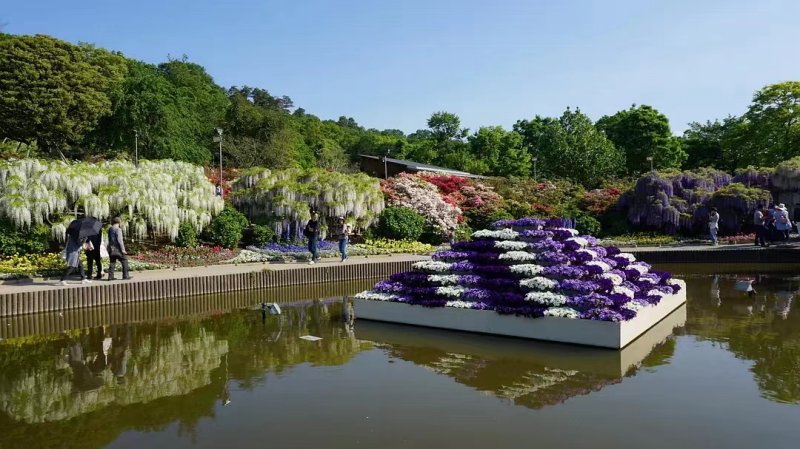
<point>78,234</point>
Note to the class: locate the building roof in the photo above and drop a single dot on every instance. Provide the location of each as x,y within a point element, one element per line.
<point>411,165</point>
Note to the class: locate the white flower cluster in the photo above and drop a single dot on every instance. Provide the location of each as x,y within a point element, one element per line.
<point>502,234</point>
<point>627,256</point>
<point>375,296</point>
<point>546,298</point>
<point>589,252</point>
<point>561,312</point>
<point>431,266</point>
<point>518,256</point>
<point>647,281</point>
<point>443,279</point>
<point>539,283</point>
<point>574,232</point>
<point>640,268</point>
<point>451,291</point>
<point>527,269</point>
<point>597,263</point>
<point>614,278</point>
<point>623,290</point>
<point>655,292</point>
<point>459,304</point>
<point>510,245</point>
<point>633,306</point>
<point>579,240</point>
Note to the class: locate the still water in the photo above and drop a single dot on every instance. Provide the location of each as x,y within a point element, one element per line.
<point>724,371</point>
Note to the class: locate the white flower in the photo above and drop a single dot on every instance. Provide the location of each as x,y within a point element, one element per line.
<point>546,298</point>
<point>614,278</point>
<point>633,305</point>
<point>433,266</point>
<point>574,232</point>
<point>518,256</point>
<point>452,291</point>
<point>597,263</point>
<point>527,269</point>
<point>589,252</point>
<point>627,256</point>
<point>443,279</point>
<point>510,245</point>
<point>640,268</point>
<point>502,234</point>
<point>655,292</point>
<point>561,312</point>
<point>647,281</point>
<point>623,290</point>
<point>375,296</point>
<point>459,304</point>
<point>539,283</point>
<point>579,240</point>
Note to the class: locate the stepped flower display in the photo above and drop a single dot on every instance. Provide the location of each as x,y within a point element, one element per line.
<point>533,268</point>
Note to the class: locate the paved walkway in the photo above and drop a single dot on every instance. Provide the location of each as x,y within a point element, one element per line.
<point>39,284</point>
<point>708,247</point>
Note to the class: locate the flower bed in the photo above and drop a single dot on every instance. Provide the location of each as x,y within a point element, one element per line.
<point>170,256</point>
<point>298,252</point>
<point>580,280</point>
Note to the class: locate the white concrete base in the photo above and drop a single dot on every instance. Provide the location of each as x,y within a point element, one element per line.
<point>604,334</point>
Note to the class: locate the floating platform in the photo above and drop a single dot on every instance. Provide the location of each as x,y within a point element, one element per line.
<point>604,334</point>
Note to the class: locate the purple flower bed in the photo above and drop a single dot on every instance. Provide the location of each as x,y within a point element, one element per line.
<point>535,234</point>
<point>535,223</point>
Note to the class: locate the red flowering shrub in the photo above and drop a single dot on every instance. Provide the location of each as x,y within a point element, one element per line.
<point>229,174</point>
<point>597,201</point>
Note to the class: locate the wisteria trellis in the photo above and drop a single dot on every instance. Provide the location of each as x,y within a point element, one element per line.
<point>534,268</point>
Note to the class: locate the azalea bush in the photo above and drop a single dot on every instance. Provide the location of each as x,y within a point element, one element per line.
<point>419,195</point>
<point>551,198</point>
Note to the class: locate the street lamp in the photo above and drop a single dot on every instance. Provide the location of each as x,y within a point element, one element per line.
<point>385,169</point>
<point>219,138</point>
<point>650,158</point>
<point>136,154</point>
<point>534,159</point>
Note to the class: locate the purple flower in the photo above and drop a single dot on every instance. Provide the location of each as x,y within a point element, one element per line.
<point>564,272</point>
<point>610,261</point>
<point>428,301</point>
<point>555,223</point>
<point>519,223</point>
<point>631,285</point>
<point>546,245</point>
<point>410,278</point>
<point>619,273</point>
<point>389,287</point>
<point>561,234</point>
<point>600,250</point>
<point>579,258</point>
<point>618,299</point>
<point>469,279</point>
<point>476,294</point>
<point>578,286</point>
<point>474,245</point>
<point>499,283</point>
<point>612,250</point>
<point>462,267</point>
<point>619,261</point>
<point>492,270</point>
<point>530,311</point>
<point>450,255</point>
<point>535,234</point>
<point>603,314</point>
<point>592,240</point>
<point>590,301</point>
<point>552,258</point>
<point>604,284</point>
<point>663,275</point>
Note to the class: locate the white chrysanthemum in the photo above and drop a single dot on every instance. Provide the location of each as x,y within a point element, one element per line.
<point>527,269</point>
<point>546,298</point>
<point>518,256</point>
<point>431,266</point>
<point>510,245</point>
<point>443,279</point>
<point>623,290</point>
<point>627,256</point>
<point>561,312</point>
<point>539,283</point>
<point>614,278</point>
<point>459,304</point>
<point>598,263</point>
<point>450,290</point>
<point>376,296</point>
<point>501,234</point>
<point>579,240</point>
<point>574,232</point>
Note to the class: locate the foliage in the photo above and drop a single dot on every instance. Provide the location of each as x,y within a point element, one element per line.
<point>400,223</point>
<point>53,92</point>
<point>187,236</point>
<point>262,235</point>
<point>413,192</point>
<point>158,196</point>
<point>642,132</point>
<point>774,123</point>
<point>737,204</point>
<point>227,228</point>
<point>32,264</point>
<point>787,175</point>
<point>185,257</point>
<point>35,240</point>
<point>501,151</point>
<point>587,225</point>
<point>549,199</point>
<point>480,219</point>
<point>754,177</point>
<point>596,202</point>
<point>463,232</point>
<point>390,246</point>
<point>639,239</point>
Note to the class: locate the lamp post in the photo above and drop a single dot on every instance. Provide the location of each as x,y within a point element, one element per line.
<point>136,146</point>
<point>534,159</point>
<point>650,158</point>
<point>385,169</point>
<point>219,138</point>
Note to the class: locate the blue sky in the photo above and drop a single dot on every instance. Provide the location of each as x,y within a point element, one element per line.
<point>391,64</point>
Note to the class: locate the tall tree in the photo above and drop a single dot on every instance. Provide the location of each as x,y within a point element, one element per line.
<point>774,122</point>
<point>714,144</point>
<point>54,92</point>
<point>642,132</point>
<point>501,151</point>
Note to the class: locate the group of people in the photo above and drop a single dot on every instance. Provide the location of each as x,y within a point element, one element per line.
<point>341,231</point>
<point>771,224</point>
<point>92,246</point>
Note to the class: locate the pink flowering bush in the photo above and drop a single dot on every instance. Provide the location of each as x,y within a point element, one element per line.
<point>421,196</point>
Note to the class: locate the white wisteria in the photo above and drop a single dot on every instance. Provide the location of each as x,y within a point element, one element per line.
<point>502,234</point>
<point>510,245</point>
<point>539,283</point>
<point>288,196</point>
<point>156,196</point>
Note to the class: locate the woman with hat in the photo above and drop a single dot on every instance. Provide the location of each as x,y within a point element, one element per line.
<point>782,223</point>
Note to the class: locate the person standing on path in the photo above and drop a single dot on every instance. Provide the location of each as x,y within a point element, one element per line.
<point>713,225</point>
<point>782,223</point>
<point>312,234</point>
<point>116,250</point>
<point>72,255</point>
<point>93,257</point>
<point>758,220</point>
<point>344,237</point>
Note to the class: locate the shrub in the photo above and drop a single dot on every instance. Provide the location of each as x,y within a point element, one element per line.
<point>479,219</point>
<point>464,232</point>
<point>519,209</point>
<point>226,229</point>
<point>23,241</point>
<point>261,235</point>
<point>187,236</point>
<point>400,223</point>
<point>587,225</point>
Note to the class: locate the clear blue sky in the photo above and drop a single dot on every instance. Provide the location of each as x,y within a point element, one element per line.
<point>389,64</point>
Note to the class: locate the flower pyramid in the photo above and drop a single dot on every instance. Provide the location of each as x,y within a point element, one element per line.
<point>531,267</point>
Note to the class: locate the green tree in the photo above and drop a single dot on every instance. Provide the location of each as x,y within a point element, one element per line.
<point>713,144</point>
<point>773,119</point>
<point>642,132</point>
<point>502,152</point>
<point>53,92</point>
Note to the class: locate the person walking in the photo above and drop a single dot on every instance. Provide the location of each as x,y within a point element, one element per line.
<point>93,257</point>
<point>759,218</point>
<point>713,225</point>
<point>116,250</point>
<point>312,234</point>
<point>782,223</point>
<point>344,237</point>
<point>72,255</point>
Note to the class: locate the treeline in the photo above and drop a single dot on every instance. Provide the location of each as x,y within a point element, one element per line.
<point>78,101</point>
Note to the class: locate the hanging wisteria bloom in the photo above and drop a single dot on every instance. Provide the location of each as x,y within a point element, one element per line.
<point>501,234</point>
<point>450,291</point>
<point>432,266</point>
<point>444,279</point>
<point>510,245</point>
<point>546,298</point>
<point>518,256</point>
<point>539,283</point>
<point>527,269</point>
<point>561,312</point>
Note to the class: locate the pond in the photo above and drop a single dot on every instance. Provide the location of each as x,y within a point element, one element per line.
<point>217,372</point>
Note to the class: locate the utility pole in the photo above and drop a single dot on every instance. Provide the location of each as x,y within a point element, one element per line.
<point>385,169</point>
<point>650,158</point>
<point>219,136</point>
